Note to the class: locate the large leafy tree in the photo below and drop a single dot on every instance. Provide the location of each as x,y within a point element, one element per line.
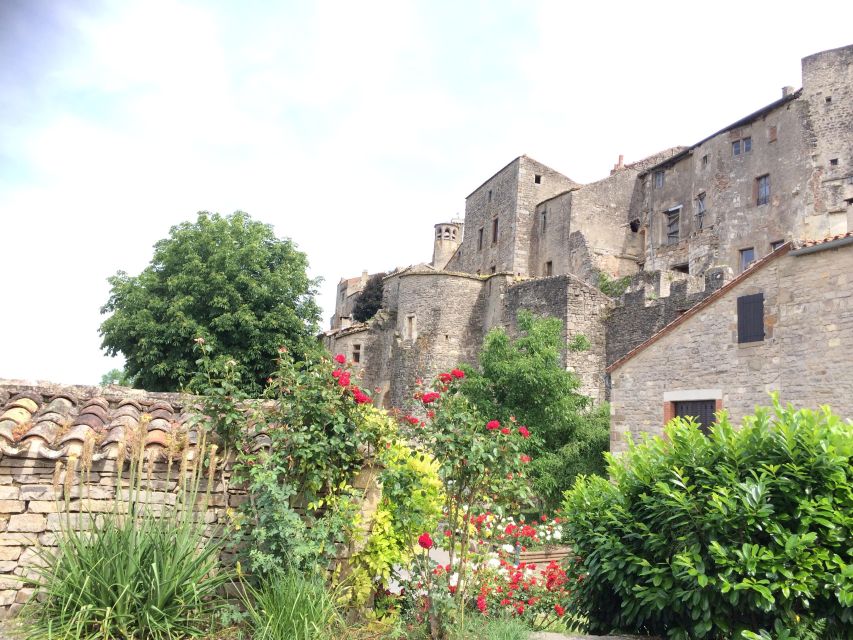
<point>369,300</point>
<point>226,279</point>
<point>523,379</point>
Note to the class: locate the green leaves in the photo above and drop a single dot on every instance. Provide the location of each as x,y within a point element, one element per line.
<point>227,279</point>
<point>742,532</point>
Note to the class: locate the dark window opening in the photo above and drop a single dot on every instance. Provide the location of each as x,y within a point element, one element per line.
<point>744,145</point>
<point>763,190</point>
<point>635,225</point>
<point>658,179</point>
<point>834,162</point>
<point>736,148</point>
<point>544,220</point>
<point>750,318</point>
<point>747,256</point>
<point>681,268</point>
<point>492,269</point>
<point>480,240</point>
<point>537,179</point>
<point>672,226</point>
<point>549,268</point>
<point>700,209</point>
<point>747,145</point>
<point>494,231</point>
<point>490,195</point>
<point>705,160</point>
<point>828,99</point>
<point>776,244</point>
<point>356,353</point>
<point>702,411</point>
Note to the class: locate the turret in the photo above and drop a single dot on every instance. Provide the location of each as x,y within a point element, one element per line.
<point>448,237</point>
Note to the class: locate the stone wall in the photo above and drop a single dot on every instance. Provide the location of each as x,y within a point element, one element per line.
<point>653,300</point>
<point>808,320</point>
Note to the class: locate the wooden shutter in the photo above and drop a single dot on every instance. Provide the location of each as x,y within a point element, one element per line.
<point>701,410</point>
<point>750,318</point>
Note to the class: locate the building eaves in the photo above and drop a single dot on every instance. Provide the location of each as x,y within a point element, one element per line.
<point>711,299</point>
<point>739,123</point>
<point>832,242</point>
<point>503,168</point>
<point>562,193</point>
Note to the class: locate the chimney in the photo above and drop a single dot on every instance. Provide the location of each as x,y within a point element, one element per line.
<point>786,91</point>
<point>618,165</point>
<point>364,278</point>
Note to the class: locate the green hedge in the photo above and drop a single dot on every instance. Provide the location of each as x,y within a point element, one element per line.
<point>745,533</point>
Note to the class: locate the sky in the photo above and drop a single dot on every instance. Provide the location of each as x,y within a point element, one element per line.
<point>351,127</point>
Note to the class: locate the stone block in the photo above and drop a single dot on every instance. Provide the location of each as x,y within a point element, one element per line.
<point>45,506</point>
<point>10,553</point>
<point>40,492</point>
<point>14,539</point>
<point>8,566</point>
<point>27,522</point>
<point>9,492</point>
<point>24,595</point>
<point>7,597</point>
<point>9,581</point>
<point>11,506</point>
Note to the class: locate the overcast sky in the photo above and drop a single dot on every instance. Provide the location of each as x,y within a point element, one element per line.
<point>352,127</point>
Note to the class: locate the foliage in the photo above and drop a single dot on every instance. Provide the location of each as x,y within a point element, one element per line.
<point>369,300</point>
<point>411,502</point>
<point>138,573</point>
<point>288,604</point>
<point>302,502</point>
<point>523,378</point>
<point>480,463</point>
<point>226,279</point>
<point>116,376</point>
<point>744,533</point>
<point>613,287</point>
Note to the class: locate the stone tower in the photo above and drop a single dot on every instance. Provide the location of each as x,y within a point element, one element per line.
<point>448,237</point>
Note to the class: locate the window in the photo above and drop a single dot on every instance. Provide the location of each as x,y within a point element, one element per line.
<point>494,231</point>
<point>834,162</point>
<point>343,294</point>
<point>544,220</point>
<point>700,209</point>
<point>658,179</point>
<point>672,217</point>
<point>771,133</point>
<point>744,145</point>
<point>775,245</point>
<point>480,239</point>
<point>746,257</point>
<point>705,160</point>
<point>411,327</point>
<point>537,179</point>
<point>490,195</point>
<point>762,184</point>
<point>684,267</point>
<point>750,318</point>
<point>549,268</point>
<point>493,269</point>
<point>356,353</point>
<point>702,411</point>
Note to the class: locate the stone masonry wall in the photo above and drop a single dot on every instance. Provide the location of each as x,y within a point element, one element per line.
<point>808,318</point>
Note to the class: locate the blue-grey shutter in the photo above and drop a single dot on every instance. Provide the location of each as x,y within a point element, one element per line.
<point>750,318</point>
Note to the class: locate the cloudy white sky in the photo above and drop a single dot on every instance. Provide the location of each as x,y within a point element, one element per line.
<point>352,127</point>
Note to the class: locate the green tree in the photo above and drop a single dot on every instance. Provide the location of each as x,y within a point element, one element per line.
<point>370,299</point>
<point>116,376</point>
<point>523,378</point>
<point>227,279</point>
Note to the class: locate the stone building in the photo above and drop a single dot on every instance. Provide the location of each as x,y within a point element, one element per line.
<point>671,229</point>
<point>782,325</point>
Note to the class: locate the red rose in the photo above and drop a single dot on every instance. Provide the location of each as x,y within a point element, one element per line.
<point>524,432</point>
<point>458,374</point>
<point>505,431</point>
<point>430,397</point>
<point>343,380</point>
<point>425,541</point>
<point>520,608</point>
<point>524,458</point>
<point>491,425</point>
<point>340,358</point>
<point>481,603</point>
<point>447,533</point>
<point>337,373</point>
<point>560,611</point>
<point>445,377</point>
<point>361,397</point>
<point>412,420</point>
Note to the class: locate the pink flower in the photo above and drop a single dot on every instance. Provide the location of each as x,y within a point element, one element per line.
<point>340,358</point>
<point>458,374</point>
<point>425,541</point>
<point>481,603</point>
<point>524,458</point>
<point>524,432</point>
<point>491,425</point>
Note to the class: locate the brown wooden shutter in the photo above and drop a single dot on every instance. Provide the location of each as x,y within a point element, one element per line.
<point>701,410</point>
<point>750,318</point>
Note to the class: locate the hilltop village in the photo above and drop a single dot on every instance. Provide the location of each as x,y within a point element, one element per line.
<point>703,277</point>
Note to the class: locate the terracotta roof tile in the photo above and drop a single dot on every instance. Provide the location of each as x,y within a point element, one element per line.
<point>814,243</point>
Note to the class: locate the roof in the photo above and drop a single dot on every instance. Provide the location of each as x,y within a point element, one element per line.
<point>734,125</point>
<point>509,164</point>
<point>48,421</point>
<point>711,299</point>
<point>813,246</point>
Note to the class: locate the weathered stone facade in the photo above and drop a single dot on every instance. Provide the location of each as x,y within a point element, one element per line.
<point>804,355</point>
<point>678,225</point>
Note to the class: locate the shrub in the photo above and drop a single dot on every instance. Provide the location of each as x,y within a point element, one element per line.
<point>744,533</point>
<point>137,574</point>
<point>287,604</point>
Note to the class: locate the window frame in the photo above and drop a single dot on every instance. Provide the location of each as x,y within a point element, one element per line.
<point>750,318</point>
<point>659,179</point>
<point>480,239</point>
<point>495,230</point>
<point>742,253</point>
<point>673,217</point>
<point>762,190</point>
